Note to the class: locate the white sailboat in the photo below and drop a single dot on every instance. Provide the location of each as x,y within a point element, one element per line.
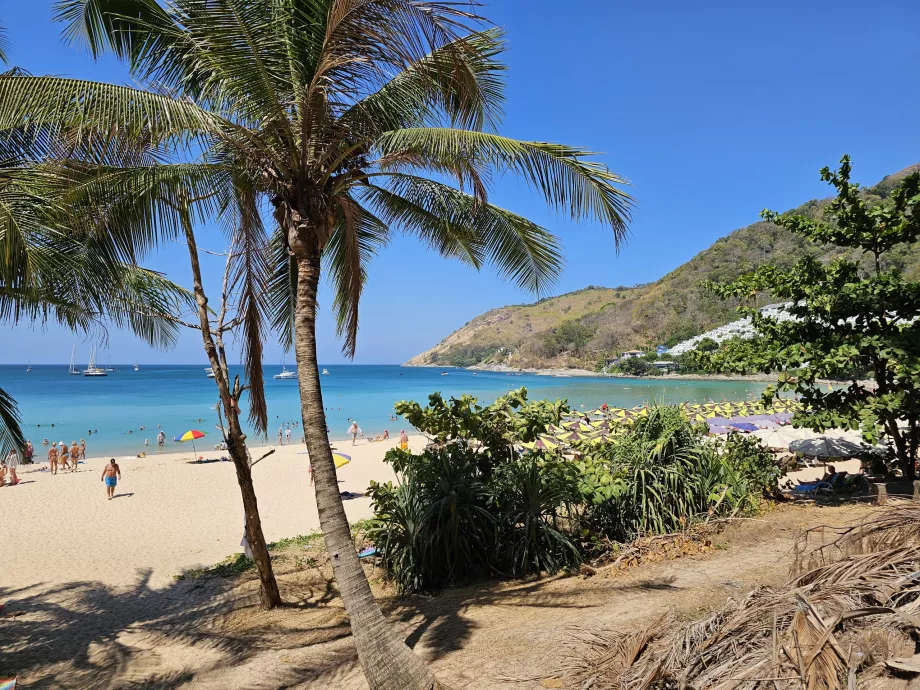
<point>91,368</point>
<point>29,365</point>
<point>209,372</point>
<point>285,374</point>
<point>136,367</point>
<point>73,367</point>
<point>109,367</point>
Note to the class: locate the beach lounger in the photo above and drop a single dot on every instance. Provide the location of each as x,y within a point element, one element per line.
<point>830,486</point>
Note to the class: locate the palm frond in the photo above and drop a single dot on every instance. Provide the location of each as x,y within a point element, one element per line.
<point>354,242</point>
<point>11,435</point>
<point>459,82</point>
<point>4,44</point>
<point>249,273</point>
<point>365,41</point>
<point>91,113</point>
<point>281,296</point>
<point>584,189</point>
<point>520,250</point>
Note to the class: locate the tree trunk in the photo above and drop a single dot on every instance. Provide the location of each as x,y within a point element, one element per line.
<point>387,662</point>
<point>269,596</point>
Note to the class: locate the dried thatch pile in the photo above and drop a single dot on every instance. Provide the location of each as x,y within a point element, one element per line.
<point>850,617</point>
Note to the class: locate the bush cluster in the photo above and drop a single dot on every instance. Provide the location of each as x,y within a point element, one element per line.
<point>476,503</point>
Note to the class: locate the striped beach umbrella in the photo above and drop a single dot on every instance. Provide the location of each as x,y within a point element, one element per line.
<point>191,435</point>
<point>340,459</point>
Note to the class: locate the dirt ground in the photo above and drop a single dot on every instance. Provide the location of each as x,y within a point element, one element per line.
<point>209,632</point>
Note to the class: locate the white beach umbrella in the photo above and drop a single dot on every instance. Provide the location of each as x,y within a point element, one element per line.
<point>782,437</point>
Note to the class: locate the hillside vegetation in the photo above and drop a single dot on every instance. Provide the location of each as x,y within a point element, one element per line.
<point>582,328</point>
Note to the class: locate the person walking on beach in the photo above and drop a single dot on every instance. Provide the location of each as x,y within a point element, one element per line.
<point>12,463</point>
<point>353,432</point>
<point>28,453</point>
<point>287,435</point>
<point>83,450</point>
<point>403,440</point>
<point>74,456</point>
<point>64,455</point>
<point>111,473</point>
<point>53,459</point>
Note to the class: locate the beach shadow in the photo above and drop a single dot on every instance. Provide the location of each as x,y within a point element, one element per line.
<point>444,622</point>
<point>89,634</point>
<point>126,495</point>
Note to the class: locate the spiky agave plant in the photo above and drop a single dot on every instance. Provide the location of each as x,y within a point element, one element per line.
<point>347,116</point>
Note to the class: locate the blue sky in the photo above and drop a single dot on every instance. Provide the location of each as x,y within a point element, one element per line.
<point>713,110</point>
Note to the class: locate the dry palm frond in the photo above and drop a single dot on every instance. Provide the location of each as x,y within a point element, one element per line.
<point>827,628</point>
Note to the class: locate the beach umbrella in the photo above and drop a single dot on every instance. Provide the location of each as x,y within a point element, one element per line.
<point>572,436</point>
<point>826,447</point>
<point>191,435</point>
<point>743,426</point>
<point>781,438</point>
<point>718,429</point>
<point>543,443</point>
<point>340,459</point>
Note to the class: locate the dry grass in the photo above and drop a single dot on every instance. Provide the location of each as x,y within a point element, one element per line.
<point>850,614</point>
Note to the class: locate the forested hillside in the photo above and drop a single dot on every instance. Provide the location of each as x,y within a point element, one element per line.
<point>583,327</point>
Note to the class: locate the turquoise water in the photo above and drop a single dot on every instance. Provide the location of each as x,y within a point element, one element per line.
<point>176,397</point>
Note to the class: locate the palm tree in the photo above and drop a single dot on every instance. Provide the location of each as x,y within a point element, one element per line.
<point>348,116</point>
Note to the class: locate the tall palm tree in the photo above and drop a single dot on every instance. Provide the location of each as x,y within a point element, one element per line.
<point>349,116</point>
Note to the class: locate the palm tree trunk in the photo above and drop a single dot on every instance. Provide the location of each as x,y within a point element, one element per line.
<point>269,596</point>
<point>387,662</point>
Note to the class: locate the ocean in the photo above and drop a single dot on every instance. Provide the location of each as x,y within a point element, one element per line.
<point>61,407</point>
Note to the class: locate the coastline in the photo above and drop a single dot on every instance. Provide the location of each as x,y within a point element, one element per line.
<point>562,372</point>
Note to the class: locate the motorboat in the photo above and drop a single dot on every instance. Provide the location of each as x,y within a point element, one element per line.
<point>73,371</point>
<point>92,369</point>
<point>286,375</point>
<point>209,372</point>
<point>136,367</point>
<point>325,372</point>
<point>443,373</point>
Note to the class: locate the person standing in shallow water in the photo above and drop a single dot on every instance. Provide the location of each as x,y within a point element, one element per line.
<point>111,473</point>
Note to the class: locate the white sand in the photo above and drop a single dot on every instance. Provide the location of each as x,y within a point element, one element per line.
<point>168,515</point>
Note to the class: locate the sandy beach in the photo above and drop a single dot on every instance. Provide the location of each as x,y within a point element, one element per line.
<point>168,515</point>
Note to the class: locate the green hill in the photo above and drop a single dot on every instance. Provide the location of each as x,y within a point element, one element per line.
<point>580,328</point>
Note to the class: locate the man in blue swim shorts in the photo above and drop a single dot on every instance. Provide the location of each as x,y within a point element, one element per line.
<point>110,475</point>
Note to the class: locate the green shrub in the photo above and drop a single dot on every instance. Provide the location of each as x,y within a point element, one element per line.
<point>473,504</point>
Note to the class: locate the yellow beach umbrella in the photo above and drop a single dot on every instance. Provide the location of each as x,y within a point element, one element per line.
<point>340,459</point>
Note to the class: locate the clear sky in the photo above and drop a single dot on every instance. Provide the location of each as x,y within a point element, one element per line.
<point>713,110</point>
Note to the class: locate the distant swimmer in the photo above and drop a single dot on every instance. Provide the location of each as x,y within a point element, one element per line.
<point>143,427</point>
<point>45,442</point>
<point>111,473</point>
